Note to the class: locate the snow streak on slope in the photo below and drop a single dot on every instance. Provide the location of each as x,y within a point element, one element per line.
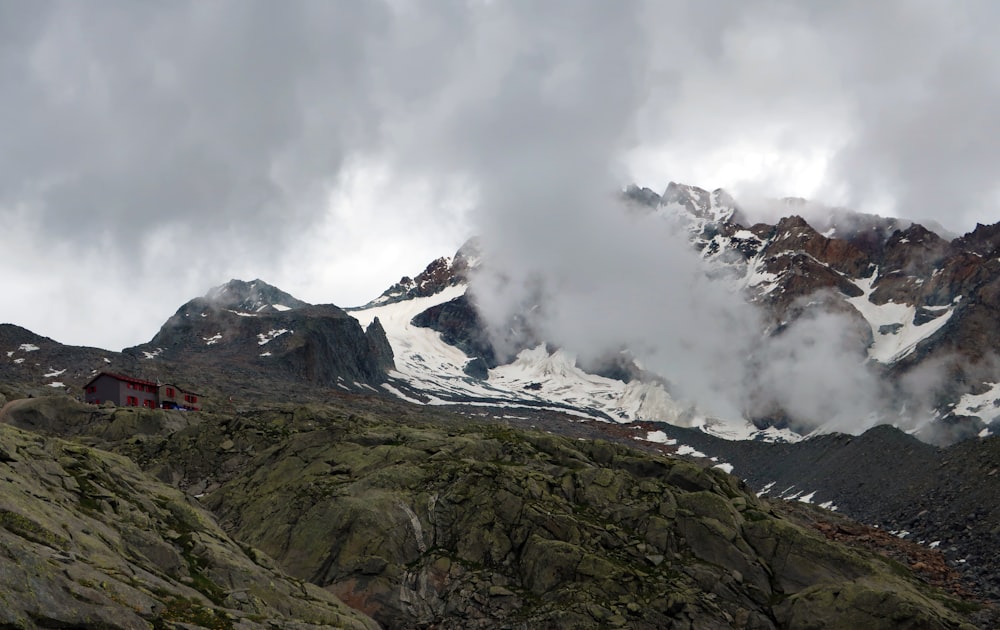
<point>892,324</point>
<point>985,405</point>
<point>431,371</point>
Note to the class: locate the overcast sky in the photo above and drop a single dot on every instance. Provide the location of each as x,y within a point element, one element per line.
<point>150,150</point>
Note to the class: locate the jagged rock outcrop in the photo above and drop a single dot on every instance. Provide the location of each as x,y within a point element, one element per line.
<point>89,541</point>
<point>379,347</point>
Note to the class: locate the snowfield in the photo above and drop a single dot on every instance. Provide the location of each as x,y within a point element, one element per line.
<point>430,371</point>
<point>890,347</point>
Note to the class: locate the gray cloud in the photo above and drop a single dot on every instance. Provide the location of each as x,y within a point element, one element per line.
<point>208,118</point>
<point>188,141</point>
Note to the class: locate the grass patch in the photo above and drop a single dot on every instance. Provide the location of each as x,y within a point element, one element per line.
<point>188,611</point>
<point>30,530</point>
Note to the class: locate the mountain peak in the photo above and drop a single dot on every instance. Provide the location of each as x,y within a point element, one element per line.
<point>440,274</point>
<point>252,297</point>
<point>717,206</point>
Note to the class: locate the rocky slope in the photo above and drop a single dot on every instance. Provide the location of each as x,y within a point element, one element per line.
<point>89,541</point>
<point>418,518</point>
<point>36,365</point>
<point>947,497</point>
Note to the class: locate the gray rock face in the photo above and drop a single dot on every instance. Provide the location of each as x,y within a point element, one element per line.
<point>315,344</point>
<point>378,345</point>
<point>89,541</point>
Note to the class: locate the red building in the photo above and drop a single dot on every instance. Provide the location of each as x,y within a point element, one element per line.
<point>126,391</point>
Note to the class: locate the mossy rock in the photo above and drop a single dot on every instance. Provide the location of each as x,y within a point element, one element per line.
<point>865,603</point>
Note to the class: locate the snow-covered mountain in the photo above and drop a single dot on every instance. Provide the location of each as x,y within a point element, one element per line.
<point>915,305</point>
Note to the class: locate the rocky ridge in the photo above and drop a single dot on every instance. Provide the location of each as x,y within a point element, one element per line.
<point>419,518</point>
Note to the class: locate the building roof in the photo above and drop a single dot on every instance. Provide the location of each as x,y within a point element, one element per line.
<point>179,388</point>
<point>121,377</point>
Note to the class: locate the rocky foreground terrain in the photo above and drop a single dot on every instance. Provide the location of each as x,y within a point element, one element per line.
<point>415,518</point>
<point>948,497</point>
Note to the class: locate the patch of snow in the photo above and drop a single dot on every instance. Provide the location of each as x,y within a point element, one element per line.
<point>106,360</point>
<point>270,335</point>
<point>54,373</point>
<point>807,498</point>
<point>684,449</point>
<point>985,406</point>
<point>213,339</point>
<point>265,354</point>
<point>19,360</point>
<point>241,313</point>
<point>724,467</point>
<point>150,355</point>
<point>935,544</point>
<point>10,353</point>
<point>659,437</point>
<point>757,278</point>
<point>985,433</point>
<point>56,383</point>
<point>739,430</point>
<point>889,348</point>
<point>281,307</point>
<point>395,392</point>
<point>829,505</point>
<point>28,347</point>
<point>767,488</point>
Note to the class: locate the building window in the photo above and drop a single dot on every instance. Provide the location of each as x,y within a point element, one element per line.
<point>92,389</point>
<point>148,403</point>
<point>170,392</point>
<point>132,401</point>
